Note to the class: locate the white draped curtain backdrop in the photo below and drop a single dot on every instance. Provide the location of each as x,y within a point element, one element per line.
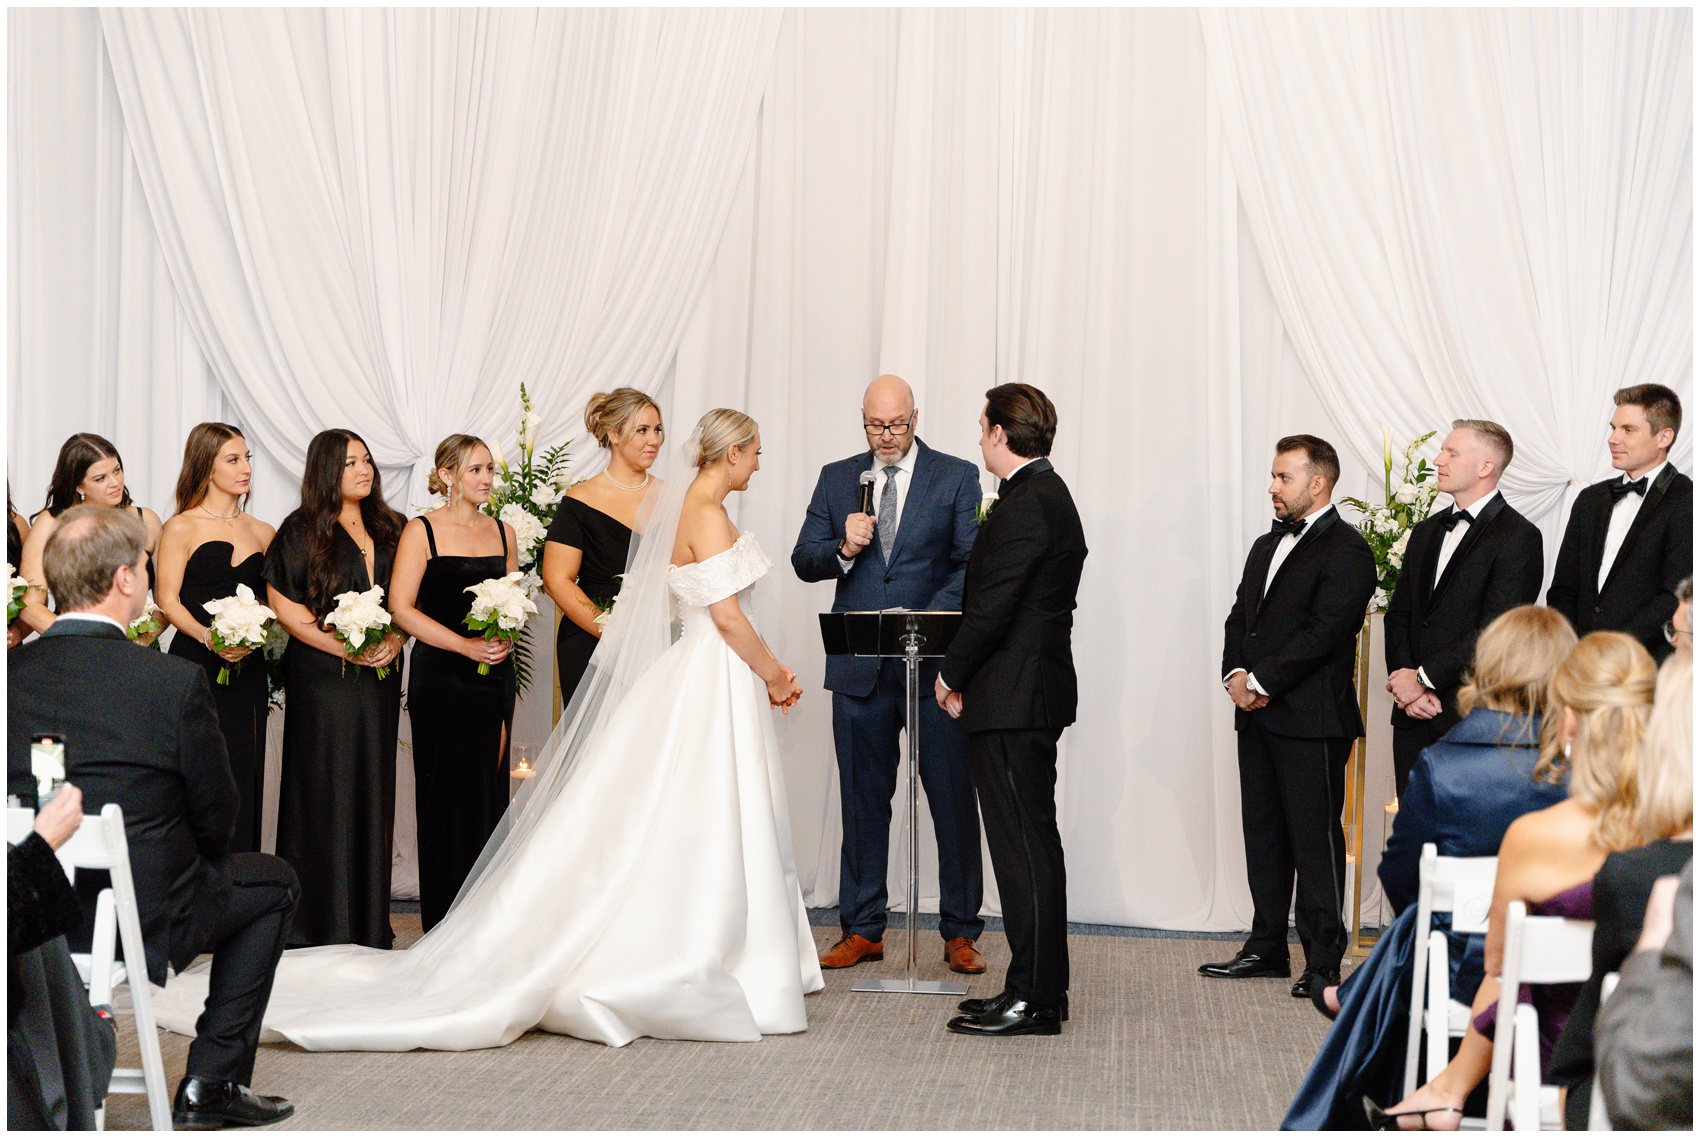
<point>1196,231</point>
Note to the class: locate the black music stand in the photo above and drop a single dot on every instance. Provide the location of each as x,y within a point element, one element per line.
<point>907,636</point>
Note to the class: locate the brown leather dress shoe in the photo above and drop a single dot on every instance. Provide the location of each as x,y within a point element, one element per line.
<point>962,956</point>
<point>852,949</point>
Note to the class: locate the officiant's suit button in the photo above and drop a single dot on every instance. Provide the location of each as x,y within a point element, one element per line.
<point>1251,636</point>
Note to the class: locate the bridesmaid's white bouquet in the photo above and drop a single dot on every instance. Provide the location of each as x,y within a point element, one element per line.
<point>145,629</point>
<point>500,608</point>
<point>238,622</point>
<point>19,586</point>
<point>360,621</point>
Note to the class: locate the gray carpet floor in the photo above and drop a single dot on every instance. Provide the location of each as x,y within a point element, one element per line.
<point>1150,1045</point>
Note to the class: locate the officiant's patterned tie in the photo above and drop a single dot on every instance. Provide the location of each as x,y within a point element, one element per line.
<point>888,513</point>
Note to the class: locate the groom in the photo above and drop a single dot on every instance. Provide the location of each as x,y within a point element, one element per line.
<point>909,551</point>
<point>1008,677</point>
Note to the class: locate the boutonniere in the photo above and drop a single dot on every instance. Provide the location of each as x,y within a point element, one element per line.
<point>984,509</point>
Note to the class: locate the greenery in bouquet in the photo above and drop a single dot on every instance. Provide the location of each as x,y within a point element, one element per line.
<point>1387,524</point>
<point>147,628</point>
<point>18,587</point>
<point>526,494</point>
<point>276,641</point>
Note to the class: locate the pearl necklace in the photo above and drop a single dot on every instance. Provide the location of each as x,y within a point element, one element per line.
<point>629,489</point>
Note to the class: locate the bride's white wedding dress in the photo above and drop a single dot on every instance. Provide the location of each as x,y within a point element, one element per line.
<point>655,895</point>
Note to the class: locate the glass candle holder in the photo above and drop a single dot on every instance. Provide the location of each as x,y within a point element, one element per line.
<point>522,760</point>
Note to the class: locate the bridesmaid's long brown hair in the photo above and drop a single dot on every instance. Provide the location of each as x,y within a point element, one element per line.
<point>205,439</point>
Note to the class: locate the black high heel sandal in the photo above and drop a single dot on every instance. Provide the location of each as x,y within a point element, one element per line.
<point>1382,1120</point>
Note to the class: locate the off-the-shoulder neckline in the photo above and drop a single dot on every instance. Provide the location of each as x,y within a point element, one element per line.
<point>742,537</point>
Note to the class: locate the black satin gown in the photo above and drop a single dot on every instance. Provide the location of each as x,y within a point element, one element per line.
<point>460,722</point>
<point>241,704</point>
<point>336,802</point>
<point>605,542</point>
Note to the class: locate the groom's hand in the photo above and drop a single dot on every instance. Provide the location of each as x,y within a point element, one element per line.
<point>941,692</point>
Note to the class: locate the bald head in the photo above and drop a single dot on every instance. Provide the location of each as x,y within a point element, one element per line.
<point>84,558</point>
<point>889,401</point>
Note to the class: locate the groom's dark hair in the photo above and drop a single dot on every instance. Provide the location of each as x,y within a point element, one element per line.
<point>1320,455</point>
<point>1027,417</point>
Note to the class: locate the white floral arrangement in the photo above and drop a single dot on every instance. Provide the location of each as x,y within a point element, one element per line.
<point>240,621</point>
<point>277,643</point>
<point>1387,525</point>
<point>500,608</point>
<point>988,502</point>
<point>145,629</point>
<point>526,494</point>
<point>360,621</point>
<point>18,586</point>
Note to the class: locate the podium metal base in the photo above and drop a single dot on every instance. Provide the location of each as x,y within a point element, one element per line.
<point>913,987</point>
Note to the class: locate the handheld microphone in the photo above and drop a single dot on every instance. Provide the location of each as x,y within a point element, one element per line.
<point>867,481</point>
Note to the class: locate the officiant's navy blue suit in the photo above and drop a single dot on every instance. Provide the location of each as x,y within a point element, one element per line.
<point>927,561</point>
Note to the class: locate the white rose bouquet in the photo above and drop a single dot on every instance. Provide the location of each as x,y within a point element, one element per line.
<point>500,608</point>
<point>145,629</point>
<point>360,621</point>
<point>238,622</point>
<point>19,586</point>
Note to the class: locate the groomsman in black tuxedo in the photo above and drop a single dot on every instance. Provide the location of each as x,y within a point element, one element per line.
<point>1630,539</point>
<point>139,729</point>
<point>1287,655</point>
<point>1463,567</point>
<point>1009,678</point>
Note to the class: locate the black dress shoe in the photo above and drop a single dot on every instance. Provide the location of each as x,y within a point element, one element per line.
<point>212,1104</point>
<point>1248,966</point>
<point>980,1007</point>
<point>1315,980</point>
<point>1012,1017</point>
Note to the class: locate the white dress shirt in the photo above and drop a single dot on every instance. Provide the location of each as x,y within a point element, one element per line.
<point>905,468</point>
<point>1448,546</point>
<point>1622,517</point>
<point>92,616</point>
<point>1288,542</point>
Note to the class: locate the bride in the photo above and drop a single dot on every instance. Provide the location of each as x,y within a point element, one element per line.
<point>643,884</point>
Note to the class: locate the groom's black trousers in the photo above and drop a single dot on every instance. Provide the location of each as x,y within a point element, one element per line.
<point>1291,794</point>
<point>1015,773</point>
<point>246,944</point>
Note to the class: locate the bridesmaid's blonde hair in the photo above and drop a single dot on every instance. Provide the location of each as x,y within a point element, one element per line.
<point>452,454</point>
<point>609,414</point>
<point>719,431</point>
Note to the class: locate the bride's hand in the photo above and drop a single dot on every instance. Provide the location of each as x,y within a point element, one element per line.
<point>783,690</point>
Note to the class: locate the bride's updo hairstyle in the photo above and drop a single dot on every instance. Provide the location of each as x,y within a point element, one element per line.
<point>719,431</point>
<point>609,414</point>
<point>451,456</point>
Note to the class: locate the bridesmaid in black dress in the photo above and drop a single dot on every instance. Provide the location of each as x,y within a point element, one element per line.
<point>17,529</point>
<point>591,535</point>
<point>88,470</point>
<point>208,548</point>
<point>336,804</point>
<point>461,719</point>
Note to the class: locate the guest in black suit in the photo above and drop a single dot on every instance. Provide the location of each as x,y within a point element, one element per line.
<point>1463,567</point>
<point>147,738</point>
<point>1008,677</point>
<point>1287,656</point>
<point>1630,539</point>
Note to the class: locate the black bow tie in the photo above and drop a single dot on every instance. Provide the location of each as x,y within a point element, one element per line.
<point>1295,527</point>
<point>1620,489</point>
<point>1450,522</point>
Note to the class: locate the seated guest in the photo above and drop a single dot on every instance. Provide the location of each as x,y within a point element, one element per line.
<point>1644,1043</point>
<point>59,1051</point>
<point>1596,714</point>
<point>141,731</point>
<point>1679,629</point>
<point>1464,792</point>
<point>1624,884</point>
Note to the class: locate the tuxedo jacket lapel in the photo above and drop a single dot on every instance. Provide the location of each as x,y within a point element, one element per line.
<point>1643,518</point>
<point>1305,540</point>
<point>1477,529</point>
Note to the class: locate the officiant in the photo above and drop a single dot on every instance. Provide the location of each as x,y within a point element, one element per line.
<point>906,546</point>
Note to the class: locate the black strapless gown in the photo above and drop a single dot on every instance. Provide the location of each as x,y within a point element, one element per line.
<point>460,724</point>
<point>605,543</point>
<point>241,703</point>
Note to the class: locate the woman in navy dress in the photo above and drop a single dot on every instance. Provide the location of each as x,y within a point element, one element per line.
<point>208,548</point>
<point>461,720</point>
<point>336,802</point>
<point>591,536</point>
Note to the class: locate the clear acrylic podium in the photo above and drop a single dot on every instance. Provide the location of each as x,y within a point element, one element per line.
<point>910,637</point>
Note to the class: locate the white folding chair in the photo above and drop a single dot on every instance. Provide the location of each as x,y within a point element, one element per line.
<point>1598,1119</point>
<point>99,843</point>
<point>1538,950</point>
<point>1463,887</point>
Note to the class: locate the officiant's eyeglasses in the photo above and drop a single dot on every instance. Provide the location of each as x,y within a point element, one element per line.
<point>895,430</point>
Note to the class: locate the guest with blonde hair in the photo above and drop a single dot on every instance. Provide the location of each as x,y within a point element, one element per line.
<point>591,536</point>
<point>1593,733</point>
